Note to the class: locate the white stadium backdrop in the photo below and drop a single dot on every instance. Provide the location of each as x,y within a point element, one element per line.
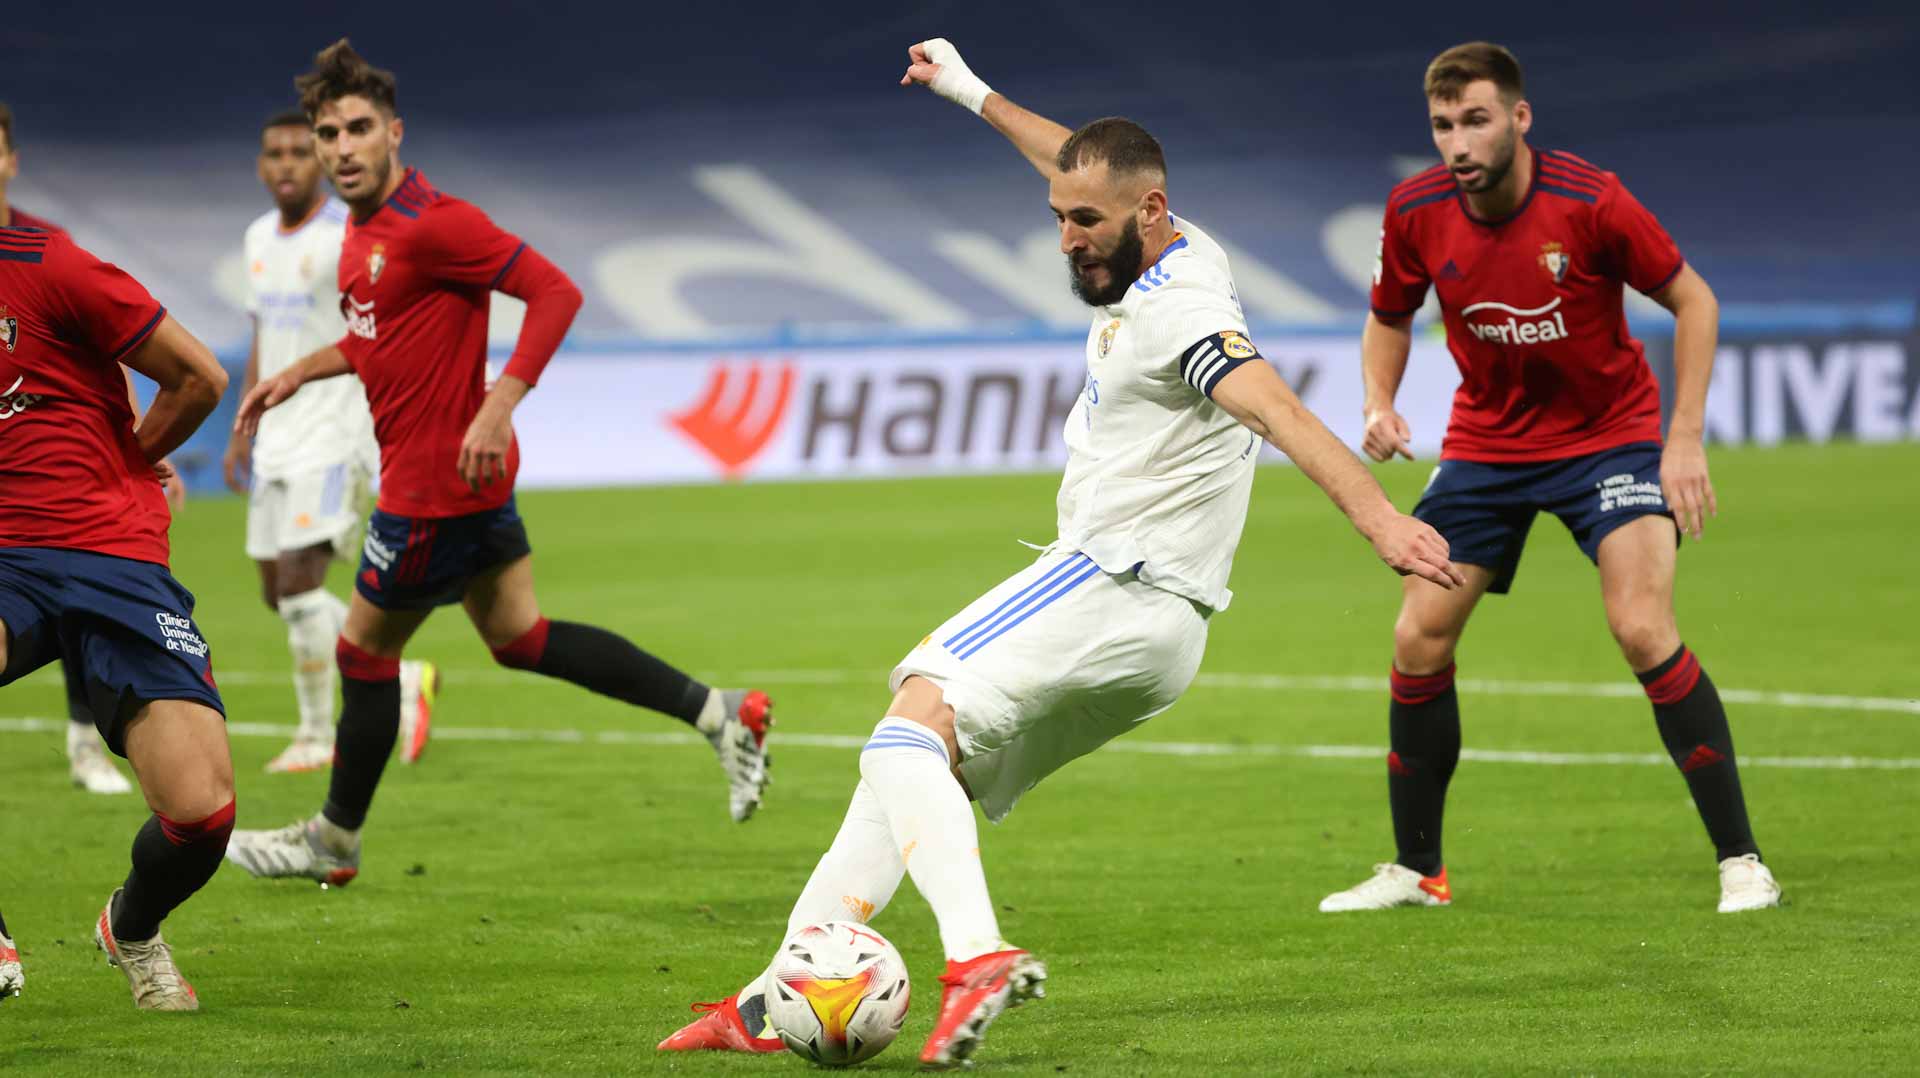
<point>673,417</point>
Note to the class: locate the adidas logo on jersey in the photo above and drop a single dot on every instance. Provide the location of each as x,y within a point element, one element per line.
<point>1451,272</point>
<point>1540,325</point>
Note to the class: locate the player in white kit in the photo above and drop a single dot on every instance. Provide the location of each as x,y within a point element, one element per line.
<point>1106,629</point>
<point>307,472</point>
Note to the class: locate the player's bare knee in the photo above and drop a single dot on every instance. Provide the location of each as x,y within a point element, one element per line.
<point>1645,638</point>
<point>1422,645</point>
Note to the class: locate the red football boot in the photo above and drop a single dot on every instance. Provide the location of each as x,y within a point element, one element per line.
<point>719,1029</point>
<point>977,990</point>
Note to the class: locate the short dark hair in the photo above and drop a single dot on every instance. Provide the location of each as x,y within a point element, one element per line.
<point>289,118</point>
<point>1451,71</point>
<point>6,124</point>
<point>339,71</point>
<point>1124,145</point>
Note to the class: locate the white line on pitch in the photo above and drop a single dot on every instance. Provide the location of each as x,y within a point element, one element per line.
<point>445,732</point>
<point>1250,682</point>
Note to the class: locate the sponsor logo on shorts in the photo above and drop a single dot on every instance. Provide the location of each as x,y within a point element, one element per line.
<point>180,634</point>
<point>1624,492</point>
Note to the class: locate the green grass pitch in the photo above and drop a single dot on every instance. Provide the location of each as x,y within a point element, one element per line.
<point>552,903</point>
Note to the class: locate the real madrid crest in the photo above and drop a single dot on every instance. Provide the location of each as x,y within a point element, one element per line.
<point>1106,337</point>
<point>9,328</point>
<point>1556,260</point>
<point>1237,346</point>
<point>376,261</point>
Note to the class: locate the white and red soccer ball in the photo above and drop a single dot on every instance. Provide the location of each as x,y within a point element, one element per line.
<point>837,993</point>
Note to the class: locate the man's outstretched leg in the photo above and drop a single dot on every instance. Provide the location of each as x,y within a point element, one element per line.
<point>178,750</point>
<point>854,881</point>
<point>909,762</point>
<point>503,607</point>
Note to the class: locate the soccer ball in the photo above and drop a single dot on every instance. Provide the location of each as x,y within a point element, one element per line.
<point>837,993</point>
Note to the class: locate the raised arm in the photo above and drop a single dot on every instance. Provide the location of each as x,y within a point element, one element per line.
<point>937,65</point>
<point>191,382</point>
<point>1256,395</point>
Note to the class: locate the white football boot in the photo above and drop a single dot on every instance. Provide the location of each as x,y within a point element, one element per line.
<point>1746,884</point>
<point>1391,885</point>
<point>156,981</point>
<point>741,743</point>
<point>88,765</point>
<point>12,977</point>
<point>293,850</point>
<point>306,753</point>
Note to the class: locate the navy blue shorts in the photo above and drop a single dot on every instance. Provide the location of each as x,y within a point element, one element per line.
<point>417,563</point>
<point>1484,510</point>
<point>126,626</point>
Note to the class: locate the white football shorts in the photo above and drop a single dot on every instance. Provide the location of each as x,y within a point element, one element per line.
<point>1050,665</point>
<point>303,509</point>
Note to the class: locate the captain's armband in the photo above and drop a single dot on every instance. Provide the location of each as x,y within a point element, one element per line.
<point>1212,357</point>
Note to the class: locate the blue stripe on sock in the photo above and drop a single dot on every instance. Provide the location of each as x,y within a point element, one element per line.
<point>903,743</point>
<point>1050,575</point>
<point>915,733</point>
<point>1013,606</point>
<point>1031,611</point>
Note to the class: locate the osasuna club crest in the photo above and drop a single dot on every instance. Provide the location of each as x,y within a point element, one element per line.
<point>9,328</point>
<point>376,261</point>
<point>1556,260</point>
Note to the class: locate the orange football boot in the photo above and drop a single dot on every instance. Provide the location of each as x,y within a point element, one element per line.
<point>719,1029</point>
<point>976,991</point>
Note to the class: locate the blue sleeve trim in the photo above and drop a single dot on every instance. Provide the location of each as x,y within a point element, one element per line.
<point>511,259</point>
<point>1665,281</point>
<point>134,341</point>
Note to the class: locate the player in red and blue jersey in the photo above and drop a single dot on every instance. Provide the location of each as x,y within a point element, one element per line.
<point>83,565</point>
<point>1529,251</point>
<point>417,270</point>
<point>87,762</point>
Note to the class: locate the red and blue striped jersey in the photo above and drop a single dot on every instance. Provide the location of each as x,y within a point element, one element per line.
<point>1533,307</point>
<point>72,475</point>
<point>416,283</point>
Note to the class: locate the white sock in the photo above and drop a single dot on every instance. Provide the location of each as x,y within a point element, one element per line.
<point>338,840</point>
<point>713,715</point>
<point>933,827</point>
<point>314,619</point>
<point>855,878</point>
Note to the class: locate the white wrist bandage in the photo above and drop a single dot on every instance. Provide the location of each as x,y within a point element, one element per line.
<point>955,82</point>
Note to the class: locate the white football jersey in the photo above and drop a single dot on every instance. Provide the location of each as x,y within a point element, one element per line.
<point>293,293</point>
<point>1158,476</point>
